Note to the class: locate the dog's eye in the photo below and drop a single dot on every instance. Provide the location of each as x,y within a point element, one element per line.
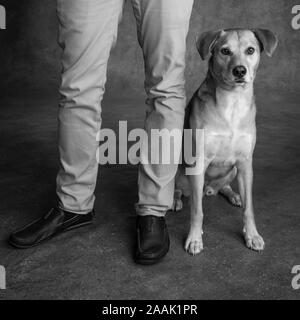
<point>250,50</point>
<point>225,51</point>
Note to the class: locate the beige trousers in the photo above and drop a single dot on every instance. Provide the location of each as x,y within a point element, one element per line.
<point>87,32</point>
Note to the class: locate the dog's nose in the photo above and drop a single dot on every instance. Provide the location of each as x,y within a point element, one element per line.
<point>239,71</point>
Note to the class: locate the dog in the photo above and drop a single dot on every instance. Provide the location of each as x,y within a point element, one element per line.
<point>224,107</point>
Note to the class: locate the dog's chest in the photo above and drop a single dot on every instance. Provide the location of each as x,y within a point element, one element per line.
<point>226,148</point>
<point>231,135</point>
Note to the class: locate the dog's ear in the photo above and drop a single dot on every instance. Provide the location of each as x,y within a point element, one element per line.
<point>267,39</point>
<point>206,41</point>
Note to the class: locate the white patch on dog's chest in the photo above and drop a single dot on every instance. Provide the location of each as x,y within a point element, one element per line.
<point>223,147</point>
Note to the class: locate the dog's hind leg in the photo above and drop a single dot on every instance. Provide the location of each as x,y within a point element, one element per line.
<point>222,186</point>
<point>213,186</point>
<point>233,197</point>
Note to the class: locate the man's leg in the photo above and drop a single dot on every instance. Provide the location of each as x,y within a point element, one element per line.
<point>87,31</point>
<point>162,30</point>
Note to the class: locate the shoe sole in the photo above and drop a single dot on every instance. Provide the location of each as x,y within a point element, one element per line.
<point>148,262</point>
<point>18,246</point>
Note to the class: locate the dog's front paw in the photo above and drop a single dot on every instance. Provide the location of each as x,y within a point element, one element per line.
<point>254,241</point>
<point>194,243</point>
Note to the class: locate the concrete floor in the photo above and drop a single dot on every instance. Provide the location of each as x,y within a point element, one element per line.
<point>96,262</point>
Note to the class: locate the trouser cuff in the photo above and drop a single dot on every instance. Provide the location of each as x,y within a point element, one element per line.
<point>142,210</point>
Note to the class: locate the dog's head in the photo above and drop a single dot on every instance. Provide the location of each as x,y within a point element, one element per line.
<point>235,53</point>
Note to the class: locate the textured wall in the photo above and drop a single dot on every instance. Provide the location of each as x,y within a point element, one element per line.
<point>29,52</point>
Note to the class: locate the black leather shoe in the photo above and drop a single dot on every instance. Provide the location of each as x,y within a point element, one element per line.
<point>53,223</point>
<point>152,239</point>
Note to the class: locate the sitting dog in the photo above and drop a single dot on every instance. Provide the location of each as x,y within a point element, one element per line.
<point>224,107</point>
